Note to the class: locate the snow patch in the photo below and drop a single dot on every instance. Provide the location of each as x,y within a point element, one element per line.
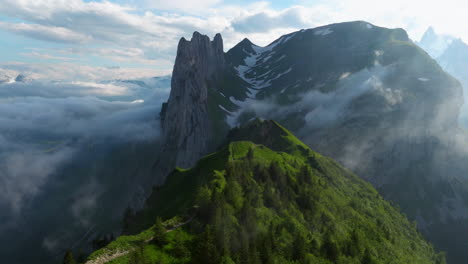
<point>323,32</point>
<point>283,73</point>
<point>268,57</point>
<point>280,58</point>
<point>369,26</point>
<point>344,75</point>
<point>270,47</point>
<point>423,79</point>
<point>378,53</point>
<point>250,61</point>
<point>224,109</point>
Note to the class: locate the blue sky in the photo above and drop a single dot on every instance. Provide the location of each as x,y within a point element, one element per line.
<point>140,36</point>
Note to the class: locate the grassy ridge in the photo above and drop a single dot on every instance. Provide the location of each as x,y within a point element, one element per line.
<point>279,202</point>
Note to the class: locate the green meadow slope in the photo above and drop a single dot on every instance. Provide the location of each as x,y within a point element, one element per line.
<point>265,197</point>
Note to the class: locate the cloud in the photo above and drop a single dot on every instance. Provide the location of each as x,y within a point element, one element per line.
<point>47,33</point>
<point>98,20</point>
<point>320,109</point>
<point>47,89</point>
<point>147,32</point>
<point>69,72</point>
<point>45,124</point>
<point>24,170</point>
<point>184,5</point>
<point>75,116</point>
<point>265,21</point>
<point>47,56</point>
<point>85,202</point>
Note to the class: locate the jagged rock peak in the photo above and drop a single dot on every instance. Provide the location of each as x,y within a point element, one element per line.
<point>201,51</point>
<point>185,121</point>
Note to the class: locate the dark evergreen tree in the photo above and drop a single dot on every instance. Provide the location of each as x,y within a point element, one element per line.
<point>127,218</point>
<point>250,155</point>
<point>330,249</point>
<point>160,236</point>
<point>68,258</point>
<point>205,248</point>
<point>440,258</point>
<point>180,249</point>
<point>299,248</point>
<point>368,258</point>
<point>275,171</point>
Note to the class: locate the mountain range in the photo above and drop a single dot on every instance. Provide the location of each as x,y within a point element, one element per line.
<point>362,96</point>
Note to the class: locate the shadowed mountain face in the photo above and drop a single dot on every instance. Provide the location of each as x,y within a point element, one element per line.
<point>364,95</point>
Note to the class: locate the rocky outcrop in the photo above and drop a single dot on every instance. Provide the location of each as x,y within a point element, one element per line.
<point>187,128</point>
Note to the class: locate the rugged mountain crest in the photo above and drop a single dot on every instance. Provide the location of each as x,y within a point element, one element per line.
<point>187,128</point>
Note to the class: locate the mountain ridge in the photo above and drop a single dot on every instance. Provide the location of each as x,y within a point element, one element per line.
<point>280,195</point>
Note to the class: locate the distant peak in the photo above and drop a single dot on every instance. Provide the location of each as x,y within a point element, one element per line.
<point>429,35</point>
<point>431,30</point>
<point>246,41</point>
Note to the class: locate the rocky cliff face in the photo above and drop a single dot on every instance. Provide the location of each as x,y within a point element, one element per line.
<point>187,128</point>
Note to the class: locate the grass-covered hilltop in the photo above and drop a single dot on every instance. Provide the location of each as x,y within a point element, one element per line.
<point>265,197</point>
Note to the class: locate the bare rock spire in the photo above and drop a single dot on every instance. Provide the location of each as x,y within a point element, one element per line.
<point>187,128</point>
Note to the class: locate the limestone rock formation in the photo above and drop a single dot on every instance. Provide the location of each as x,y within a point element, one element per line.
<point>187,129</point>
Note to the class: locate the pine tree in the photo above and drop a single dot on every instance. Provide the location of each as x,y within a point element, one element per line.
<point>136,256</point>
<point>179,249</point>
<point>68,258</point>
<point>354,245</point>
<point>250,155</point>
<point>330,249</point>
<point>160,236</point>
<point>367,258</point>
<point>205,248</point>
<point>275,171</point>
<point>127,218</point>
<point>299,248</point>
<point>440,258</point>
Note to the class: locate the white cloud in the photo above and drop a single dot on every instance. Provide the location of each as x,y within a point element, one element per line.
<point>23,173</point>
<point>414,16</point>
<point>47,33</point>
<point>67,71</point>
<point>44,124</point>
<point>147,32</point>
<point>46,56</point>
<point>263,22</point>
<point>184,5</point>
